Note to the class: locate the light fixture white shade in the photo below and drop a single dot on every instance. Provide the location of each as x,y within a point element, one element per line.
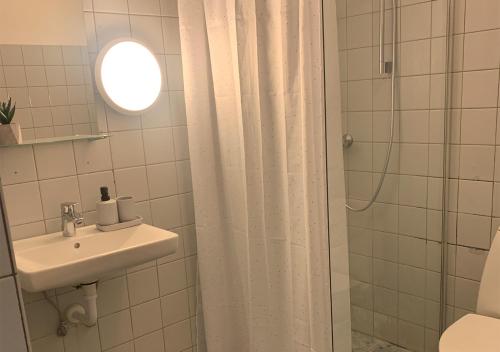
<point>128,76</point>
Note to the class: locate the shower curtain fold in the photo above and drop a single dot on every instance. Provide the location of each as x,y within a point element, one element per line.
<point>254,103</point>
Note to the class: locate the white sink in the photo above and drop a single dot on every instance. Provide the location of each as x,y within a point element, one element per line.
<point>51,261</point>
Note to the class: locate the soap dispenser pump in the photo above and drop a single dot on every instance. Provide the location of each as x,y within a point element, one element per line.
<point>107,210</point>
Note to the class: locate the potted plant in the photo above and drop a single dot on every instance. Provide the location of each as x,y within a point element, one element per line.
<point>10,132</point>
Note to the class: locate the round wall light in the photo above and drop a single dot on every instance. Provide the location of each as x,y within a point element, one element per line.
<point>128,76</point>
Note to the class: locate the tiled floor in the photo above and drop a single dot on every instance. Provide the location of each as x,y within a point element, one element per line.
<point>365,343</point>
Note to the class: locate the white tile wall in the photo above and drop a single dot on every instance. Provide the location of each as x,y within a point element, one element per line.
<point>13,324</point>
<point>51,88</point>
<point>11,327</point>
<point>394,247</point>
<point>148,308</point>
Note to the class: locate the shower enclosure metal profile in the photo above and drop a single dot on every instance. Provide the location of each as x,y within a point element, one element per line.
<point>389,67</point>
<point>385,67</point>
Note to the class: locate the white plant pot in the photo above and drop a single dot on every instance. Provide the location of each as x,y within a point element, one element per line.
<point>10,134</point>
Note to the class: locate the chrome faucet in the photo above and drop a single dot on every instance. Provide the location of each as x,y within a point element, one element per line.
<point>70,218</point>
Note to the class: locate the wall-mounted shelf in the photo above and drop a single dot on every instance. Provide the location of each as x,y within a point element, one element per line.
<point>78,137</point>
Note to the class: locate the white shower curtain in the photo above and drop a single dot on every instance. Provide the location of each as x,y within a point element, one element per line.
<point>254,98</point>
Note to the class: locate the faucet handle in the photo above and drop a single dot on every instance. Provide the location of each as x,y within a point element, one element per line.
<point>70,218</point>
<point>68,208</point>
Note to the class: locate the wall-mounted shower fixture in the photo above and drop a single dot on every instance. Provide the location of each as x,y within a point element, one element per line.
<point>385,67</point>
<point>347,140</point>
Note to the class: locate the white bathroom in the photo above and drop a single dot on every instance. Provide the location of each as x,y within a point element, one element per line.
<point>254,176</point>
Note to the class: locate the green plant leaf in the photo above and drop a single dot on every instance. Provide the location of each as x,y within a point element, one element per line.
<point>7,111</point>
<point>12,112</point>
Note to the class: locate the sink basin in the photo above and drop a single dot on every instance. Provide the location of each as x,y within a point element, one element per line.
<point>51,261</point>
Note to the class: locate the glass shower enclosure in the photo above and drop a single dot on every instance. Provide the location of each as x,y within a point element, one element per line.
<point>398,101</point>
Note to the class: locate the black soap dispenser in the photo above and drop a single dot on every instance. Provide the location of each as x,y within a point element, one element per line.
<point>107,210</point>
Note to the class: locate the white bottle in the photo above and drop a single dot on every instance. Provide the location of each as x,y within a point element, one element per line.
<point>107,210</point>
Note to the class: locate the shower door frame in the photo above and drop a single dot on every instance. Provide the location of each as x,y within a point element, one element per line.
<point>339,269</point>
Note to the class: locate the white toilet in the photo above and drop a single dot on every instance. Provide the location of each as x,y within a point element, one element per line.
<point>479,332</point>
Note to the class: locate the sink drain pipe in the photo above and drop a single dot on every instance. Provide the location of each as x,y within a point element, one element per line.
<point>87,313</point>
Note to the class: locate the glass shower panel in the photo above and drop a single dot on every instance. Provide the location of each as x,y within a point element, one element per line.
<point>395,244</point>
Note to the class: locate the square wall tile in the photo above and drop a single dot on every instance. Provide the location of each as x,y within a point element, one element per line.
<point>412,251</point>
<point>184,176</point>
<point>169,8</point>
<point>478,126</point>
<point>15,76</point>
<point>360,268</point>
<point>90,185</point>
<point>482,15</point>
<point>171,35</point>
<point>480,89</point>
<point>92,156</point>
<point>360,95</point>
<point>412,280</point>
<point>177,108</point>
<point>166,212</point>
<point>6,265</point>
<point>127,149</point>
<point>187,208</point>
<point>178,336</point>
<point>56,191</point>
<point>159,145</point>
<point>32,54</point>
<point>410,335</point>
<point>39,96</point>
<point>359,31</point>
<point>41,318</point>
<point>143,286</point>
<point>159,114</point>
<point>11,55</point>
<point>481,50</point>
<point>35,76</point>
<point>110,26</point>
<point>174,72</point>
<point>112,6</point>
<point>414,92</point>
<point>470,262</point>
<point>147,30</point>
<point>112,296</point>
<point>17,165</point>
<point>473,231</point>
<point>416,22</point>
<point>475,197</point>
<point>411,309</point>
<point>55,160</point>
<point>414,126</point>
<point>466,292</point>
<point>144,7</point>
<point>115,329</point>
<point>23,203</point>
<point>150,343</point>
<point>181,142</point>
<point>172,277</point>
<point>56,75</point>
<point>42,117</point>
<point>162,180</point>
<point>175,307</point>
<point>52,55</point>
<point>126,347</point>
<point>120,122</point>
<point>146,317</point>
<point>477,162</point>
<point>50,343</point>
<point>415,57</point>
<point>12,332</point>
<point>132,182</point>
